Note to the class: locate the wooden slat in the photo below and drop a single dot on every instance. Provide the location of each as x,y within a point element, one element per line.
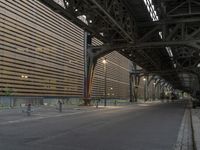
<point>39,43</point>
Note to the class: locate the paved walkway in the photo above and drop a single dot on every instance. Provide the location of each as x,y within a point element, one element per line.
<point>184,140</point>
<point>8,116</point>
<point>19,114</point>
<point>196,126</point>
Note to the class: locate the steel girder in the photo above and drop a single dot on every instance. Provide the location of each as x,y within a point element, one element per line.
<point>176,8</point>
<point>173,34</point>
<point>112,23</point>
<point>185,15</point>
<point>108,20</point>
<point>179,36</point>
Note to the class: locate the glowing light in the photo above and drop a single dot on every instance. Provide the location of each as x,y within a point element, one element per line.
<point>174,65</point>
<point>83,18</point>
<point>151,10</point>
<point>67,3</point>
<point>104,61</point>
<point>24,76</point>
<point>169,51</point>
<point>160,34</point>
<point>60,2</point>
<point>101,34</point>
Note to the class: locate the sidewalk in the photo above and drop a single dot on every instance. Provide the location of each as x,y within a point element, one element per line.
<point>16,115</point>
<point>184,139</point>
<point>19,114</point>
<point>196,127</point>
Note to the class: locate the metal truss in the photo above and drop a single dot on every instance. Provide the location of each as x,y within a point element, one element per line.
<point>173,34</point>
<point>113,23</point>
<point>184,8</point>
<point>108,20</point>
<point>179,36</point>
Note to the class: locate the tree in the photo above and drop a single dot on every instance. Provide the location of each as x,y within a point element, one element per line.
<point>8,92</point>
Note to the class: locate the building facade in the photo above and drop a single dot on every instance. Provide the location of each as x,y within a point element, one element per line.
<point>42,55</point>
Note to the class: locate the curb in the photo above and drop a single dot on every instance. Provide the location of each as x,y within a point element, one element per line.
<point>196,131</point>
<point>184,139</point>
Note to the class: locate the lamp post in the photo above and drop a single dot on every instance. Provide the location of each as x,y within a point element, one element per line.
<point>145,86</point>
<point>105,81</point>
<point>154,90</point>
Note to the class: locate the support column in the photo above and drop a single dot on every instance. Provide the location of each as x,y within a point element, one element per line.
<point>154,90</point>
<point>131,87</point>
<point>147,88</point>
<point>134,84</point>
<point>89,67</point>
<point>152,95</point>
<point>136,87</point>
<point>136,81</point>
<point>157,88</point>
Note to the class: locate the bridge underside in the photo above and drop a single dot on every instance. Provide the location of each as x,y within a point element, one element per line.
<point>161,36</point>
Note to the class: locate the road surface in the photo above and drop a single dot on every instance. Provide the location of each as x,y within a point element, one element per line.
<point>135,127</point>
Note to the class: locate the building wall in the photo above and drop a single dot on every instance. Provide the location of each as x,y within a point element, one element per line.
<point>41,54</point>
<point>117,70</point>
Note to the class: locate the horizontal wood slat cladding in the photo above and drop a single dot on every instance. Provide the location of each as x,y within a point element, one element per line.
<point>118,68</point>
<point>39,44</point>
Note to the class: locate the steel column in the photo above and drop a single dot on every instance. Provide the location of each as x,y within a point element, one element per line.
<point>90,63</point>
<point>131,87</point>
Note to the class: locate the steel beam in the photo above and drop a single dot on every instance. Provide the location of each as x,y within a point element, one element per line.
<point>170,21</point>
<point>112,19</point>
<point>69,15</point>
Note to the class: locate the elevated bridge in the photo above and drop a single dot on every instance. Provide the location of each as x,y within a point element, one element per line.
<point>161,36</point>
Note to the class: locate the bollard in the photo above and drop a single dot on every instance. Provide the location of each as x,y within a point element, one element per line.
<point>60,106</point>
<point>28,111</point>
<point>97,103</point>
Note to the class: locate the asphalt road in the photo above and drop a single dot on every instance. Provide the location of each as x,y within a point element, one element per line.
<point>146,127</point>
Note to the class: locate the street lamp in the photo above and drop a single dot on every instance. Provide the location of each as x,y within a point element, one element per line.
<point>145,86</point>
<point>105,82</point>
<point>154,90</point>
